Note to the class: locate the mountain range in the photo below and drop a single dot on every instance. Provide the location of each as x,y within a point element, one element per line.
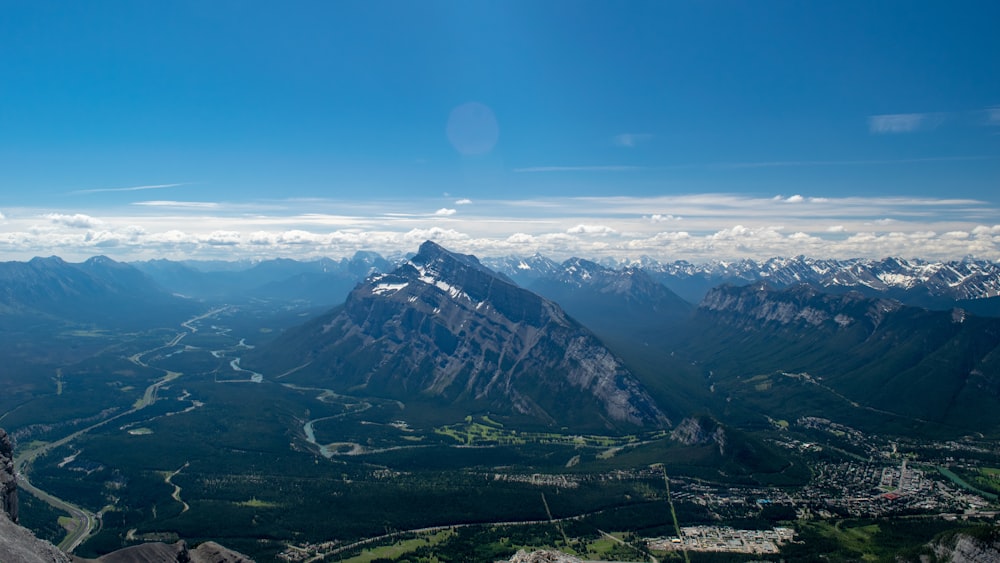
<point>99,291</point>
<point>53,286</point>
<point>444,327</point>
<point>916,282</point>
<point>323,281</point>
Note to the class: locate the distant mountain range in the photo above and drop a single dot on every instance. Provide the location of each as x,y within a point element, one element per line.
<point>596,295</point>
<point>321,282</point>
<point>969,283</point>
<point>973,283</point>
<point>99,292</point>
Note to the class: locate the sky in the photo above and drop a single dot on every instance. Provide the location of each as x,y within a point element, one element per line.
<point>697,131</point>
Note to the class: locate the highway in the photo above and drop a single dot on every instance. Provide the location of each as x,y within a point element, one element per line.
<point>84,522</point>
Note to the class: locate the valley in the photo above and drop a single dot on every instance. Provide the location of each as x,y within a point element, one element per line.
<point>292,434</point>
<point>303,466</point>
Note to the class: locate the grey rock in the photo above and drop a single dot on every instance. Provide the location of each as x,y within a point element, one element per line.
<point>8,482</point>
<point>966,549</point>
<point>543,556</point>
<point>18,544</point>
<point>158,552</point>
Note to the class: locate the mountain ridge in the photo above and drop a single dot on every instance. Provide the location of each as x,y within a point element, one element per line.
<point>444,327</point>
<point>864,355</point>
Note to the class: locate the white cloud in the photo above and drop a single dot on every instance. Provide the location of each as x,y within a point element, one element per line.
<point>630,140</point>
<point>607,168</point>
<point>798,199</point>
<point>182,204</point>
<point>129,189</point>
<point>464,201</point>
<point>716,226</point>
<point>433,233</point>
<point>445,212</point>
<point>749,233</point>
<point>77,220</point>
<point>993,115</point>
<point>903,122</point>
<point>591,230</point>
<point>659,218</point>
<point>223,238</point>
<point>2,216</point>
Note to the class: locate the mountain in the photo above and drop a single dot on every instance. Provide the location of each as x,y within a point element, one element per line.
<point>628,300</point>
<point>974,283</point>
<point>321,282</point>
<point>99,291</point>
<point>800,352</point>
<point>523,270</point>
<point>444,328</point>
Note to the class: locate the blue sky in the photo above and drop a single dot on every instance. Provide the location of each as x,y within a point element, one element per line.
<point>679,130</point>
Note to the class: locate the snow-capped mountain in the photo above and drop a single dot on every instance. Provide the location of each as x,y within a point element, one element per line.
<point>916,282</point>
<point>523,270</point>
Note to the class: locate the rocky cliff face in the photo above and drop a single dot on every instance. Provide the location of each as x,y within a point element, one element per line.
<point>442,326</point>
<point>699,432</point>
<point>543,556</point>
<point>208,552</point>
<point>965,548</point>
<point>17,543</point>
<point>760,304</point>
<point>8,484</point>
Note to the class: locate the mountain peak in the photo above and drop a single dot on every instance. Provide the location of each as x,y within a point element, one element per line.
<point>444,327</point>
<point>432,254</point>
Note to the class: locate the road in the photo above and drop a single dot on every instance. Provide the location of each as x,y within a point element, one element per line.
<point>83,522</point>
<point>325,552</point>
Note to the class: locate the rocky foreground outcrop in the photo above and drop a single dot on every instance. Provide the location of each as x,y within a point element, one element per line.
<point>965,548</point>
<point>19,545</point>
<point>543,556</point>
<point>8,484</point>
<point>208,552</point>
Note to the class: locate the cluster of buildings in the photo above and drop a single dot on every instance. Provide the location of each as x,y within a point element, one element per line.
<point>724,539</point>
